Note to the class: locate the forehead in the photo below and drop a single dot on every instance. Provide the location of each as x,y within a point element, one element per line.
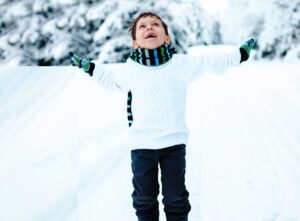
<point>148,19</point>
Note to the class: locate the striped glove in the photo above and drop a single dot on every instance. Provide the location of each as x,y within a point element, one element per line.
<point>84,64</point>
<point>245,49</point>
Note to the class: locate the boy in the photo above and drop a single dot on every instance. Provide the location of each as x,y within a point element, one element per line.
<point>157,78</point>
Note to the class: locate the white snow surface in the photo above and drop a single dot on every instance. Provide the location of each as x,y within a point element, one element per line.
<point>63,154</point>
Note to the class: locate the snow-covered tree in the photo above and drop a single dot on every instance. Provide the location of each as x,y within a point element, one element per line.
<point>274,23</point>
<point>42,32</point>
<point>281,32</point>
<point>216,33</point>
<point>242,19</point>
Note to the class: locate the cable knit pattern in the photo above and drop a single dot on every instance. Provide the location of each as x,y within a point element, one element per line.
<point>159,94</point>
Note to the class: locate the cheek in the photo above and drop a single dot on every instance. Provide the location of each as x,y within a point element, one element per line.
<point>139,36</point>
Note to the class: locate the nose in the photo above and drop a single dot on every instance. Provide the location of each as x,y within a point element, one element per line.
<point>149,27</point>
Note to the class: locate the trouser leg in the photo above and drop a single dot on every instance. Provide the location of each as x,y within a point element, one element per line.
<point>175,195</point>
<point>145,182</point>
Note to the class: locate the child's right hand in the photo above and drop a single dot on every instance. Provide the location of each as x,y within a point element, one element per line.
<point>84,64</point>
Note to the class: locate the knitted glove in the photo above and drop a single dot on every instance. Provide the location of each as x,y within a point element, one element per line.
<point>245,49</point>
<point>86,65</point>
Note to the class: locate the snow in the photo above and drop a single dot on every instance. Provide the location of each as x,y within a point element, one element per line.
<point>14,38</point>
<point>62,23</point>
<point>214,6</point>
<point>98,21</point>
<point>19,10</point>
<point>63,154</point>
<point>90,27</point>
<point>66,2</point>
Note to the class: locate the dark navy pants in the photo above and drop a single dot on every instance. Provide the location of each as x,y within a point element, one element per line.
<point>146,187</point>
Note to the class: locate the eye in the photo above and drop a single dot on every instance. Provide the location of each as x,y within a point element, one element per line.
<point>142,26</point>
<point>155,24</point>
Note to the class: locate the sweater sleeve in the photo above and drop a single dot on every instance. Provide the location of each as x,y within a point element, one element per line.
<point>112,77</point>
<point>216,62</point>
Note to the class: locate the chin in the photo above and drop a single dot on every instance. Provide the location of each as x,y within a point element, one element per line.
<point>152,46</point>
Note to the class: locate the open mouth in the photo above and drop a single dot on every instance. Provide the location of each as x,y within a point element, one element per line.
<point>150,35</point>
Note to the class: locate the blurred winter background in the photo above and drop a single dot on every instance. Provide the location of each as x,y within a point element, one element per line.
<point>36,32</point>
<point>63,151</point>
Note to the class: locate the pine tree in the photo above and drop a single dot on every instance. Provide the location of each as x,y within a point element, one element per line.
<point>243,19</point>
<point>42,32</point>
<point>274,23</point>
<point>216,35</point>
<point>280,35</point>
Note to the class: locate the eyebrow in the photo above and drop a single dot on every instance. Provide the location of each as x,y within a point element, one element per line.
<point>143,23</point>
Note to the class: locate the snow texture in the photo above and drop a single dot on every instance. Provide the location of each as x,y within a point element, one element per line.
<point>34,32</point>
<point>42,32</point>
<point>274,23</point>
<point>63,154</point>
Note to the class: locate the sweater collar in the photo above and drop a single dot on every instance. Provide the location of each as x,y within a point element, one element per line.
<point>153,57</point>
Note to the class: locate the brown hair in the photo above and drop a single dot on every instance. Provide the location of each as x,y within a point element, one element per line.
<point>132,29</point>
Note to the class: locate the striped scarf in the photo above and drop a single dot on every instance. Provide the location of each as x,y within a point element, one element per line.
<point>149,57</point>
<point>153,57</point>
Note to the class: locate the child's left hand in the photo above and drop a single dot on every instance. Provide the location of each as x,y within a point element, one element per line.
<point>246,48</point>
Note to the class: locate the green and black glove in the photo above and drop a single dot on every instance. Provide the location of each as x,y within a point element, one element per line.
<point>86,65</point>
<point>245,49</point>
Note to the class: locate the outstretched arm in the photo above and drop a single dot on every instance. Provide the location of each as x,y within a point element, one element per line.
<point>104,76</point>
<point>216,61</point>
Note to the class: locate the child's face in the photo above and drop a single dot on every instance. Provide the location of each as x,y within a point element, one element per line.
<point>150,33</point>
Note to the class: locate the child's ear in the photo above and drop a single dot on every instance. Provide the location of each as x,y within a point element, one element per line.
<point>168,39</point>
<point>135,44</point>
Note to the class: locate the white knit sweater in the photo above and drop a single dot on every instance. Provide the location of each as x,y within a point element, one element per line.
<point>159,94</point>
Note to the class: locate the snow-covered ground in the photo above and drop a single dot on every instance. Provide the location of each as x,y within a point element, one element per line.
<point>63,154</point>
